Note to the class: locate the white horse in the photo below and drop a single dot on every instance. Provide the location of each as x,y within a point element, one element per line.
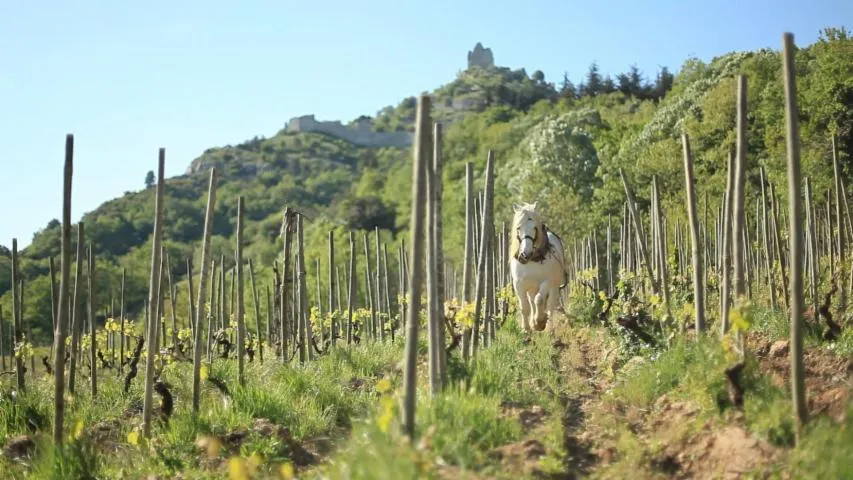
<point>537,266</point>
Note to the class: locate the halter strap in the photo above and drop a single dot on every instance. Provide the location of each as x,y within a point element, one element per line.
<point>538,254</point>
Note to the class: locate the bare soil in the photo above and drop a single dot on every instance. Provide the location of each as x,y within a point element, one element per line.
<point>676,440</point>
<point>829,377</point>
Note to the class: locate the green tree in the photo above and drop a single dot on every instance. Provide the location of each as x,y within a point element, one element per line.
<point>592,86</point>
<point>149,179</point>
<point>5,270</point>
<point>567,89</point>
<point>608,85</point>
<point>365,213</point>
<point>556,169</point>
<point>631,83</point>
<point>663,83</point>
<point>559,158</point>
<point>828,92</point>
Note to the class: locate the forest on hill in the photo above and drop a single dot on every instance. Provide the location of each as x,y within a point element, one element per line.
<point>559,145</point>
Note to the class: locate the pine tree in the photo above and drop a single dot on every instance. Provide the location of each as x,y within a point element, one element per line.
<point>624,82</point>
<point>593,81</point>
<point>567,89</point>
<point>608,85</point>
<point>663,83</point>
<point>635,81</point>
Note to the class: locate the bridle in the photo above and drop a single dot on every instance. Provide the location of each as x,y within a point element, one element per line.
<point>533,238</point>
<point>538,254</point>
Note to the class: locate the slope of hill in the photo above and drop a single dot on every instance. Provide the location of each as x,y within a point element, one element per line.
<point>310,172</point>
<point>617,387</point>
<point>560,146</point>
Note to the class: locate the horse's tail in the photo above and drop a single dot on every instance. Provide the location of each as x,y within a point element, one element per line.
<point>565,278</point>
<point>565,274</point>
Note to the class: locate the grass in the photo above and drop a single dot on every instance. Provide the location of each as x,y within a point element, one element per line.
<point>691,373</point>
<point>346,407</point>
<point>350,396</point>
<point>458,428</point>
<point>825,450</point>
<point>311,401</point>
<point>466,426</point>
<point>694,372</point>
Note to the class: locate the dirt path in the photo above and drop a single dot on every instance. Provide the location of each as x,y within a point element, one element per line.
<point>577,359</point>
<point>582,431</point>
<point>674,437</point>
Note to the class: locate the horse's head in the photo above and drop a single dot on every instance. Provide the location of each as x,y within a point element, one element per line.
<point>529,231</point>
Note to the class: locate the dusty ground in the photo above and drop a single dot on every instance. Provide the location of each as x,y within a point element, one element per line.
<point>829,378</point>
<point>675,441</point>
<point>577,359</point>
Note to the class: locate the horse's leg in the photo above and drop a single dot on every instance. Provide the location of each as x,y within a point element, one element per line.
<point>540,309</point>
<point>523,306</point>
<point>526,319</point>
<point>523,311</point>
<point>553,302</point>
<point>561,307</point>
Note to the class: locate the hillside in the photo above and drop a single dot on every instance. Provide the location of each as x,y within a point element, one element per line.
<point>733,362</point>
<point>560,145</point>
<point>311,172</point>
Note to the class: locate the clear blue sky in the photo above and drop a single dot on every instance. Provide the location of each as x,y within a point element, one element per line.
<point>129,77</point>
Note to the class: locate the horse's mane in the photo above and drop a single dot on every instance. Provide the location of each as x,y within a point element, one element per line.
<point>514,244</point>
<point>521,212</point>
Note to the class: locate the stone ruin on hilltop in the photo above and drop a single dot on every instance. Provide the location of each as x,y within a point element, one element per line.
<point>481,57</point>
<point>361,133</point>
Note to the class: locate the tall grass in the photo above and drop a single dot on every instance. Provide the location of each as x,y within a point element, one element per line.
<point>317,399</point>
<point>458,428</point>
